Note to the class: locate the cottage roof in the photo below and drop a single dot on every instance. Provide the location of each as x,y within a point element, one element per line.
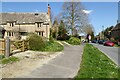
<point>116,27</point>
<point>23,17</point>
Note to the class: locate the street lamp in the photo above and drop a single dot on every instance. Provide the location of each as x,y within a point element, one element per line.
<point>103,32</point>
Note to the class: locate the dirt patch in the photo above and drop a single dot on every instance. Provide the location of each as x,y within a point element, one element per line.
<point>29,61</point>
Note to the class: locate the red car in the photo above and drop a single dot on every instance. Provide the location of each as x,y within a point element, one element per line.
<point>108,43</point>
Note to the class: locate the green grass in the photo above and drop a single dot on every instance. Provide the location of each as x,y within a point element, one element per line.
<point>9,60</point>
<point>117,45</point>
<point>2,56</point>
<point>53,47</point>
<point>96,65</point>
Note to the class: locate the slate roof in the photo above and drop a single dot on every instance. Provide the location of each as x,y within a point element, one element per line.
<point>23,17</point>
<point>117,27</point>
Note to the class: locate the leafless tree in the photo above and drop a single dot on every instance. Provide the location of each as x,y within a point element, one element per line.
<point>88,29</point>
<point>74,17</point>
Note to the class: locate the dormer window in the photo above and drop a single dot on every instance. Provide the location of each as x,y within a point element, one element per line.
<point>39,25</point>
<point>36,14</point>
<point>11,24</point>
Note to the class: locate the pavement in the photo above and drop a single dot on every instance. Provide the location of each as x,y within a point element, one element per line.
<point>112,52</point>
<point>65,65</point>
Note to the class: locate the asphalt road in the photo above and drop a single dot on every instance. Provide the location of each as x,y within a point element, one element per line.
<point>112,52</point>
<point>65,65</point>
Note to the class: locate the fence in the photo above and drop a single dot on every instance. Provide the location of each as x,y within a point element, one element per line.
<point>2,46</point>
<point>20,45</point>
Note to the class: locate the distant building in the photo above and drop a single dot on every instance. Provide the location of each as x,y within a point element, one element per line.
<point>19,24</point>
<point>101,35</point>
<point>115,33</point>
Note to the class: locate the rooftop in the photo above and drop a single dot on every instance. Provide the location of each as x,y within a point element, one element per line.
<point>23,17</point>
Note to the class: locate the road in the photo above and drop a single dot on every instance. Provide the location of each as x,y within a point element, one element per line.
<point>65,65</point>
<point>112,52</point>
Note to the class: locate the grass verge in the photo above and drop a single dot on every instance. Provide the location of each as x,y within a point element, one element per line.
<point>9,60</point>
<point>96,65</point>
<point>117,45</point>
<point>53,47</point>
<point>2,56</point>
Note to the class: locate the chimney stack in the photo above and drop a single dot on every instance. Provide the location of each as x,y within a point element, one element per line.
<point>49,10</point>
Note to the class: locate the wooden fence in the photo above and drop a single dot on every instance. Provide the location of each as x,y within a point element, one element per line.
<point>20,45</point>
<point>2,46</point>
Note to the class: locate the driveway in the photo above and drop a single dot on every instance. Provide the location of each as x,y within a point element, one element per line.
<point>65,65</point>
<point>112,52</point>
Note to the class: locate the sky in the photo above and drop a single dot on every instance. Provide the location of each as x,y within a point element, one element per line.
<point>100,13</point>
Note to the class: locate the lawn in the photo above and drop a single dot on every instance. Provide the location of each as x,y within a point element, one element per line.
<point>96,65</point>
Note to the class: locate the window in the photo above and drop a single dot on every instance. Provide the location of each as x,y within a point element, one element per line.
<point>10,34</point>
<point>11,24</point>
<point>24,33</point>
<point>40,33</point>
<point>39,24</point>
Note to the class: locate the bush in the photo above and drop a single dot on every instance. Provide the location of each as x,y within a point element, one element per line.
<point>74,41</point>
<point>36,42</point>
<point>63,37</point>
<point>51,39</point>
<point>2,56</point>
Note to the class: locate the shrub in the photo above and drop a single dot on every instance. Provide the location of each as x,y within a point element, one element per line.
<point>2,56</point>
<point>74,41</point>
<point>36,42</point>
<point>51,39</point>
<point>63,37</point>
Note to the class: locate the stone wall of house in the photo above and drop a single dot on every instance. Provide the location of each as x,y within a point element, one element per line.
<point>115,33</point>
<point>29,28</point>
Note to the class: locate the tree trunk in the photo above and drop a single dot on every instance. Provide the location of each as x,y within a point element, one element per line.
<point>72,18</point>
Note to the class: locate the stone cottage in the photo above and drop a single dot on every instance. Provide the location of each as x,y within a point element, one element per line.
<point>19,24</point>
<point>115,33</point>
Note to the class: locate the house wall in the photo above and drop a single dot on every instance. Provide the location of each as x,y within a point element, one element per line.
<point>115,33</point>
<point>29,28</point>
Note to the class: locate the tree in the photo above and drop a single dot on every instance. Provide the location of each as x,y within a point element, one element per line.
<point>88,29</point>
<point>55,28</point>
<point>107,32</point>
<point>62,30</point>
<point>73,16</point>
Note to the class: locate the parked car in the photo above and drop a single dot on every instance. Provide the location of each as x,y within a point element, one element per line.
<point>108,43</point>
<point>94,41</point>
<point>101,41</point>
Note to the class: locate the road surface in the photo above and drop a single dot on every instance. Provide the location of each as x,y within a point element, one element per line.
<point>65,65</point>
<point>112,52</point>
